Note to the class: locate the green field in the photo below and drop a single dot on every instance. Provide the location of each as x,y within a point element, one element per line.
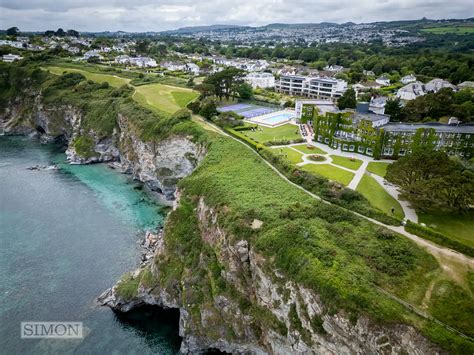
<point>111,79</point>
<point>313,150</point>
<point>459,30</point>
<point>378,197</point>
<point>164,97</point>
<point>266,134</point>
<point>378,168</point>
<point>331,172</point>
<point>290,154</point>
<point>459,227</point>
<point>348,163</point>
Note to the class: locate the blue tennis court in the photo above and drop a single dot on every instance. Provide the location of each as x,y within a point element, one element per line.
<point>236,107</point>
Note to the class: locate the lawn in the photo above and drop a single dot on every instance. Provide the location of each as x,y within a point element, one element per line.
<point>331,172</point>
<point>164,97</point>
<point>378,197</point>
<point>290,154</point>
<point>113,80</point>
<point>309,150</point>
<point>266,134</point>
<point>378,168</point>
<point>458,227</point>
<point>348,163</point>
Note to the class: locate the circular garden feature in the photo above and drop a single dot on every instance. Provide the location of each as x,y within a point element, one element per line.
<point>316,157</point>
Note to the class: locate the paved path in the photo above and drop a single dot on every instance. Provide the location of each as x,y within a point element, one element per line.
<point>358,175</point>
<point>409,212</point>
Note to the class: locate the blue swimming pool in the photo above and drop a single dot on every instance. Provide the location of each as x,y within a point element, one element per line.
<point>277,118</point>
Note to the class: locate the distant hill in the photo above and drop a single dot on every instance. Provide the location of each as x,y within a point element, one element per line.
<point>193,29</point>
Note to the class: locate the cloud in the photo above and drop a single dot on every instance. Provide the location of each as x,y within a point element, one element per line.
<point>158,15</point>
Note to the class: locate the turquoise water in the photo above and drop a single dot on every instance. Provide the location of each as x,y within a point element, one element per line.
<point>280,118</point>
<point>66,236</point>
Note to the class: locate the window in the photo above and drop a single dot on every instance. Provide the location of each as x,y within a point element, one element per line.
<point>320,138</point>
<point>344,147</point>
<point>361,149</point>
<point>401,152</point>
<point>369,151</point>
<point>351,147</point>
<point>326,140</point>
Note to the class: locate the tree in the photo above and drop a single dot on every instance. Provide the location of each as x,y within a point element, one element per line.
<point>430,180</point>
<point>309,54</point>
<point>73,33</point>
<point>205,90</point>
<point>13,31</point>
<point>60,32</point>
<point>393,108</point>
<point>347,100</point>
<point>225,82</point>
<point>245,91</point>
<point>208,108</point>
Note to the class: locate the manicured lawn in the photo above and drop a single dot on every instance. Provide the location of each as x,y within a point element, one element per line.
<point>458,227</point>
<point>378,197</point>
<point>378,168</point>
<point>348,163</point>
<point>164,97</point>
<point>312,150</point>
<point>100,78</point>
<point>330,172</point>
<point>266,134</point>
<point>290,154</point>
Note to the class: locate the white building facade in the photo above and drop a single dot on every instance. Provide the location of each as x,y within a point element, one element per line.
<point>260,80</point>
<point>312,87</point>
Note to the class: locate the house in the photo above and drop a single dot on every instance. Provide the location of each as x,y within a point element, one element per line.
<point>261,80</point>
<point>334,68</point>
<point>92,54</point>
<point>142,62</point>
<point>173,66</point>
<point>437,84</point>
<point>192,68</point>
<point>368,72</point>
<point>383,81</point>
<point>377,104</point>
<point>407,79</point>
<point>411,91</point>
<point>466,85</point>
<point>73,50</point>
<point>10,58</point>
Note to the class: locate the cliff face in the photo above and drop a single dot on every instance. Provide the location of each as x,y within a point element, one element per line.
<point>297,320</point>
<point>160,166</point>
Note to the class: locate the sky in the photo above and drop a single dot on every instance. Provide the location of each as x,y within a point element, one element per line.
<point>159,15</point>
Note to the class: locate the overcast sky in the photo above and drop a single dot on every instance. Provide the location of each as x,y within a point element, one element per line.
<point>158,15</point>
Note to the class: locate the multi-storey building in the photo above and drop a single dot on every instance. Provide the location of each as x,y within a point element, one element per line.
<point>260,80</point>
<point>372,134</point>
<point>311,87</point>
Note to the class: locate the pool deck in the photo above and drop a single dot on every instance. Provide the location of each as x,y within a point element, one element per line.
<point>260,120</point>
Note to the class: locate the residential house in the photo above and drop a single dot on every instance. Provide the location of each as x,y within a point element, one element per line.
<point>407,79</point>
<point>383,81</point>
<point>466,85</point>
<point>411,91</point>
<point>334,68</point>
<point>9,58</point>
<point>437,84</point>
<point>377,105</point>
<point>368,72</point>
<point>192,68</point>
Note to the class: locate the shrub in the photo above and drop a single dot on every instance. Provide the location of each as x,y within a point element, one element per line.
<point>441,239</point>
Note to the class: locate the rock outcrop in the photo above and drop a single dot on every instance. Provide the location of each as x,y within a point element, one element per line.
<point>298,321</point>
<point>158,165</point>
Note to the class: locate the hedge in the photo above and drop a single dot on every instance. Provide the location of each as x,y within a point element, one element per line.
<point>438,238</point>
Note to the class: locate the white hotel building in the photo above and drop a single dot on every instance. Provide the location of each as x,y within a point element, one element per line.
<point>260,80</point>
<point>311,87</point>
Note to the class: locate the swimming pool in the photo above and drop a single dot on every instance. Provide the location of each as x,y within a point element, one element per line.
<point>275,118</point>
